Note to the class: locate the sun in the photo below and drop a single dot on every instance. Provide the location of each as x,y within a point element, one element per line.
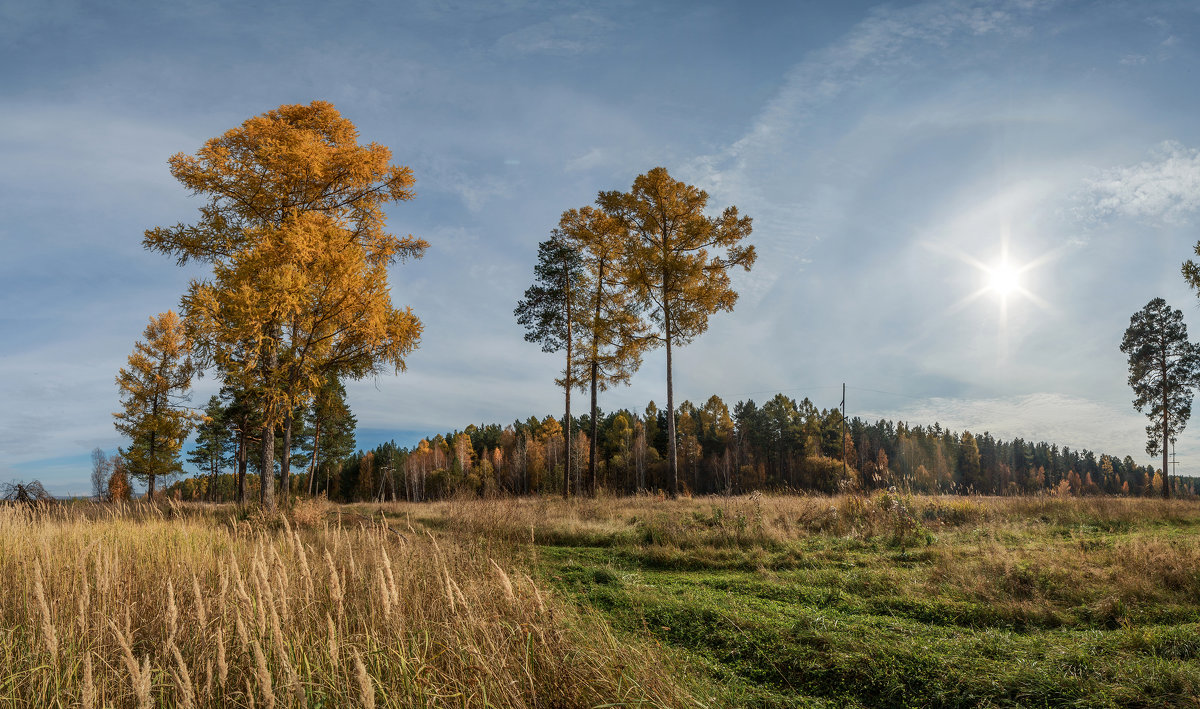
<point>1003,279</point>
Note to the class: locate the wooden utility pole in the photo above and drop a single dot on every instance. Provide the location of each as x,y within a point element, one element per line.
<point>1174,463</point>
<point>843,430</point>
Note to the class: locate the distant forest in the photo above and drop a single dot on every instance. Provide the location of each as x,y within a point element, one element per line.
<point>782,444</point>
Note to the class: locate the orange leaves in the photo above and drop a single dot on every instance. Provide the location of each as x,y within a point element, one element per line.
<point>153,388</point>
<point>679,257</point>
<point>294,160</point>
<point>294,228</point>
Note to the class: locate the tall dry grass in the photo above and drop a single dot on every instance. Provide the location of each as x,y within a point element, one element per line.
<point>136,606</point>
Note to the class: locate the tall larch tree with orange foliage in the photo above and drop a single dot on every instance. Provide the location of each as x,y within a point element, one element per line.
<point>611,333</point>
<point>154,390</point>
<point>677,259</point>
<point>294,229</point>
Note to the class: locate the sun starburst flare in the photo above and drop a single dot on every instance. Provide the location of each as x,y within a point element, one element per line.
<point>1004,279</point>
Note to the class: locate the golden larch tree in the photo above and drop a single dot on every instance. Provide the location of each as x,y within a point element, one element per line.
<point>294,228</point>
<point>611,333</point>
<point>677,259</point>
<point>154,389</point>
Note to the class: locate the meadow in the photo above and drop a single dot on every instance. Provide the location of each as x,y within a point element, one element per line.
<point>758,601</point>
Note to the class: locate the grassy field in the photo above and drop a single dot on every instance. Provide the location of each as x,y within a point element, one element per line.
<point>758,601</point>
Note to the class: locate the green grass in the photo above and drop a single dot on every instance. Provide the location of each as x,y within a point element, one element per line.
<point>946,603</point>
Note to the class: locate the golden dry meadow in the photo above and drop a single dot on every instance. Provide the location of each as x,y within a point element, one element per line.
<point>883,600</point>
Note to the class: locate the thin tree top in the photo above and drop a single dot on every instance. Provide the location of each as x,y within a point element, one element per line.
<point>543,310</point>
<point>678,257</point>
<point>290,161</point>
<point>1161,357</point>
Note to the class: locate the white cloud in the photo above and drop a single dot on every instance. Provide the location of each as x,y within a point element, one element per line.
<point>577,33</point>
<point>887,38</point>
<point>1164,188</point>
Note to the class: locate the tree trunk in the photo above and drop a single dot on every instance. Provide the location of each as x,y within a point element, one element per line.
<point>150,472</point>
<point>1166,442</point>
<point>591,474</point>
<point>312,464</point>
<point>267,474</point>
<point>1166,491</point>
<point>241,471</point>
<point>285,461</point>
<point>567,466</point>
<point>672,455</point>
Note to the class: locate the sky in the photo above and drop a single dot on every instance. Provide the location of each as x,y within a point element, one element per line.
<point>890,155</point>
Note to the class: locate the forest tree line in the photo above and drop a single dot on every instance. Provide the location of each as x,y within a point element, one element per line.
<point>782,444</point>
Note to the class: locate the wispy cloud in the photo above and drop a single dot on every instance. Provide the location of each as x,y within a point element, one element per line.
<point>1165,188</point>
<point>577,33</point>
<point>886,39</point>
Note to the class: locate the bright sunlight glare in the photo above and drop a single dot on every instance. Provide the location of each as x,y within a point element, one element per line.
<point>1003,279</point>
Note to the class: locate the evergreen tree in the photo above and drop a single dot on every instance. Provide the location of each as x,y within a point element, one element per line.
<point>211,450</point>
<point>1163,368</point>
<point>547,312</point>
<point>332,426</point>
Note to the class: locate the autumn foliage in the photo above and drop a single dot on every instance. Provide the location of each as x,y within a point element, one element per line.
<point>295,232</point>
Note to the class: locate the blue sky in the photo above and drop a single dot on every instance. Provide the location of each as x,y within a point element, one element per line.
<point>882,149</point>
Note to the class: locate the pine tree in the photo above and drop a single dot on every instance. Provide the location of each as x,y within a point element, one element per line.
<point>211,450</point>
<point>332,427</point>
<point>1163,369</point>
<point>547,312</point>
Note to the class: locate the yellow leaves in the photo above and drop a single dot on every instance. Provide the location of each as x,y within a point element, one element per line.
<point>678,256</point>
<point>296,159</point>
<point>152,386</point>
<point>294,229</point>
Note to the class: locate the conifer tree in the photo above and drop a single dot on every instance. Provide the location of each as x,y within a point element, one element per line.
<point>678,260</point>
<point>547,312</point>
<point>154,391</point>
<point>210,453</point>
<point>294,228</point>
<point>1164,367</point>
<point>611,333</point>
<point>333,429</point>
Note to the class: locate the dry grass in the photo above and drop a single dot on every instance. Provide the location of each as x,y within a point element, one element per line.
<point>1118,555</point>
<point>187,606</point>
<point>445,604</point>
<point>880,600</point>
